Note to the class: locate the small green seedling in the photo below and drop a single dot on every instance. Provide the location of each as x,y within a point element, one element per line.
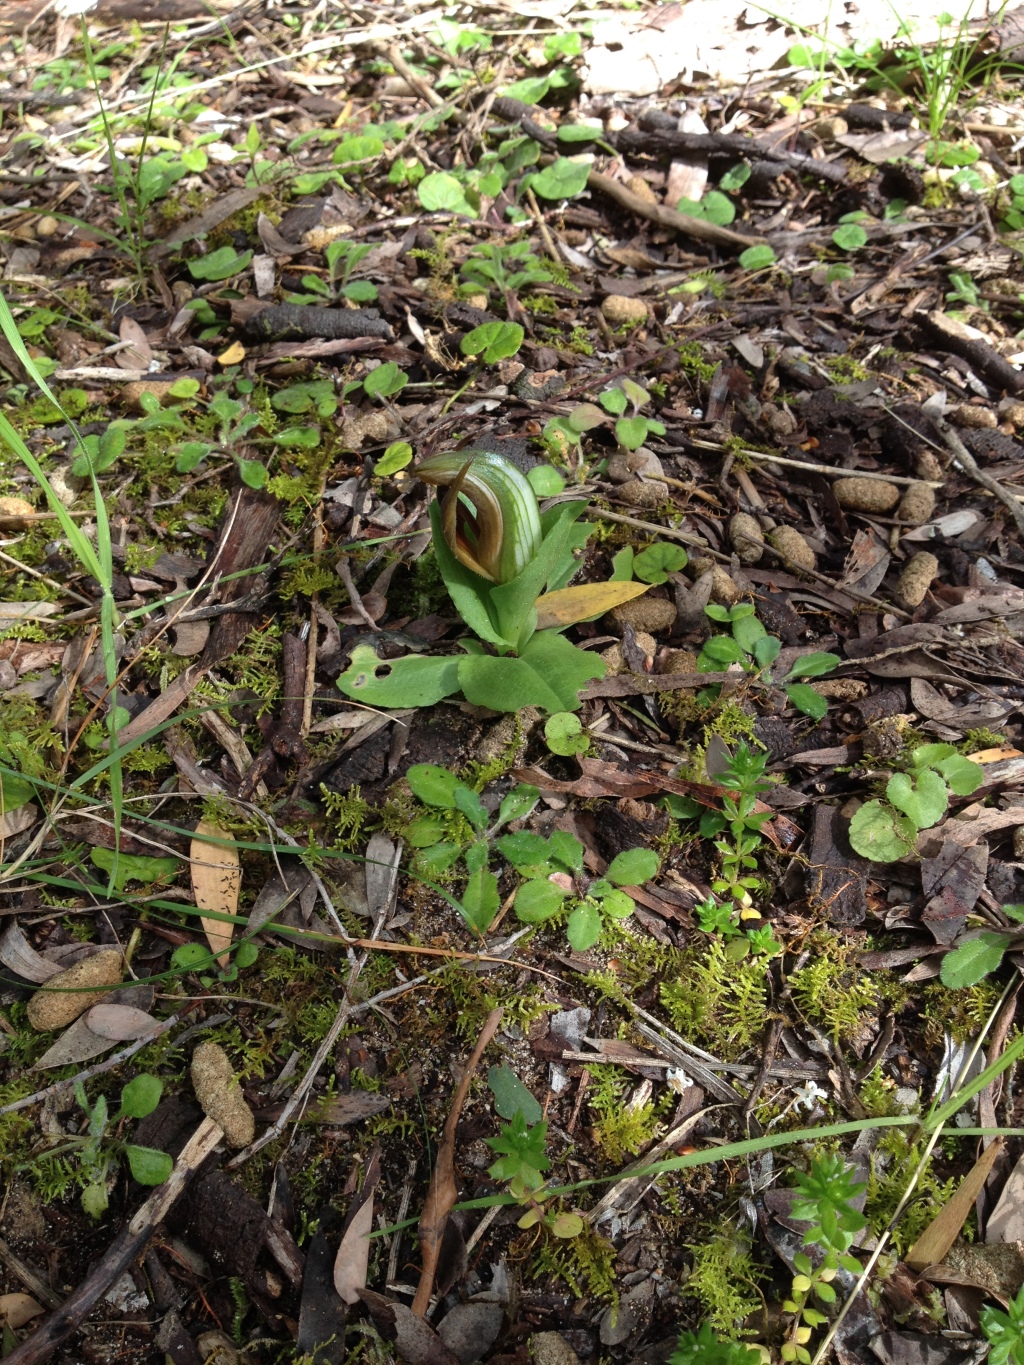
<point>522,1161</point>
<point>981,954</point>
<point>98,1152</point>
<point>564,734</point>
<point>725,918</point>
<point>1005,1331</point>
<point>706,1347</point>
<point>885,831</point>
<point>750,646</point>
<point>824,1200</point>
<point>195,957</point>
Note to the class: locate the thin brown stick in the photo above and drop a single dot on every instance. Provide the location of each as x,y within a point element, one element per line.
<point>345,573</point>
<point>969,465</point>
<point>442,1192</point>
<point>126,1248</point>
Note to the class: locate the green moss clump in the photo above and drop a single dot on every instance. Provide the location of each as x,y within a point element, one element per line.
<point>347,814</point>
<point>586,1264</point>
<point>724,1278</point>
<point>831,990</point>
<point>721,1004</point>
<point>622,1130</point>
<point>692,362</point>
<point>960,1013</point>
<point>893,1162</point>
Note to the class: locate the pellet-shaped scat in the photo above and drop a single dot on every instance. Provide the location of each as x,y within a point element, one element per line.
<point>70,993</point>
<point>917,504</point>
<point>792,546</point>
<point>220,1096</point>
<point>916,579</point>
<point>747,537</point>
<point>866,495</point>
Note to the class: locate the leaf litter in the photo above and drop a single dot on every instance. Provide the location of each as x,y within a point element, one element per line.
<point>324,798</point>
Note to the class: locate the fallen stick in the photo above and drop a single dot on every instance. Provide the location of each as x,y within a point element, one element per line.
<point>306,322</point>
<point>442,1193</point>
<point>966,461</point>
<point>126,1248</point>
<point>957,339</point>
<point>514,111</point>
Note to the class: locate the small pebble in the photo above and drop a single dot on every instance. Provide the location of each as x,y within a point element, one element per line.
<point>220,1096</point>
<point>620,311</point>
<point>974,418</point>
<point>916,579</point>
<point>917,504</point>
<point>747,537</point>
<point>866,495</point>
<point>792,546</point>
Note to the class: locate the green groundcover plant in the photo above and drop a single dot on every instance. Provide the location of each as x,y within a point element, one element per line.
<point>505,564</point>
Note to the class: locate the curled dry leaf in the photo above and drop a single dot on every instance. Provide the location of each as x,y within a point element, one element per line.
<point>216,882</point>
<point>120,1023</point>
<point>18,1309</point>
<point>353,1258</point>
<point>76,1044</point>
<point>18,955</point>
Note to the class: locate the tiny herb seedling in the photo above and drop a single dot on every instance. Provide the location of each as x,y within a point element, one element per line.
<point>885,831</point>
<point>99,1151</point>
<point>750,646</point>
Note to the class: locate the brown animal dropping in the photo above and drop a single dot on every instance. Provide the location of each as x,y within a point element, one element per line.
<point>220,1096</point>
<point>917,504</point>
<point>72,992</point>
<point>747,537</point>
<point>792,546</point>
<point>916,579</point>
<point>866,495</point>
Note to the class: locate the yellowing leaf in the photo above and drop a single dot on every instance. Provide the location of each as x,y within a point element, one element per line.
<point>994,755</point>
<point>569,605</point>
<point>234,355</point>
<point>940,1234</point>
<point>216,882</point>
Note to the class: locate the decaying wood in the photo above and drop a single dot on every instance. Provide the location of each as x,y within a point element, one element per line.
<point>126,1248</point>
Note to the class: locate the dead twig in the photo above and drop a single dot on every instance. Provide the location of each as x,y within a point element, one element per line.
<point>442,1193</point>
<point>966,461</point>
<point>125,1249</point>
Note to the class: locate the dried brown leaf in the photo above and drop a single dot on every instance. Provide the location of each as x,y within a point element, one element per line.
<point>216,881</point>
